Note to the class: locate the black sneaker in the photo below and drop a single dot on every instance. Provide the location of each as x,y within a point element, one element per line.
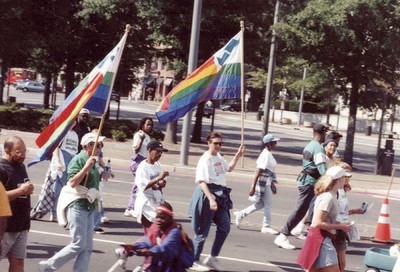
<point>99,231</point>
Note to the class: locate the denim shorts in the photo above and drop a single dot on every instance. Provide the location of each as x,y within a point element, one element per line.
<point>327,254</point>
<point>14,244</point>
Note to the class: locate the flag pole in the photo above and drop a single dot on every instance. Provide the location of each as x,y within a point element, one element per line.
<point>128,28</point>
<point>242,83</point>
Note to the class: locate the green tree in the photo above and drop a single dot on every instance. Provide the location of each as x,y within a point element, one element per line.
<point>354,39</point>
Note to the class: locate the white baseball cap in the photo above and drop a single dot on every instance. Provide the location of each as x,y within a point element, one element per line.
<point>84,111</point>
<point>337,172</point>
<point>90,137</point>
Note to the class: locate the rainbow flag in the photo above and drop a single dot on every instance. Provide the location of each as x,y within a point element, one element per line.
<point>92,93</point>
<point>219,77</point>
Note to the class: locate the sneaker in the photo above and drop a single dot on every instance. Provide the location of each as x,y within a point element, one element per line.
<point>298,233</point>
<point>104,219</point>
<point>269,230</point>
<point>199,267</point>
<point>126,213</point>
<point>129,213</point>
<point>238,218</point>
<point>44,267</point>
<point>283,242</point>
<point>213,263</point>
<point>99,231</point>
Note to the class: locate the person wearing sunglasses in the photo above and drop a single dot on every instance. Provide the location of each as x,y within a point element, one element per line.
<point>211,201</point>
<point>80,203</point>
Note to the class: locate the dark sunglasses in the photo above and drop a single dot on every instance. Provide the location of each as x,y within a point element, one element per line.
<point>218,143</point>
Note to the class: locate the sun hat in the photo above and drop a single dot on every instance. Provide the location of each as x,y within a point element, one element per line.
<point>270,138</point>
<point>337,172</point>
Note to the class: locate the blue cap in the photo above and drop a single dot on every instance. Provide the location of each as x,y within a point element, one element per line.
<point>270,138</point>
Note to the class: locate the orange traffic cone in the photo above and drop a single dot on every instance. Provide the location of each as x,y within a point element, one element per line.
<point>382,234</point>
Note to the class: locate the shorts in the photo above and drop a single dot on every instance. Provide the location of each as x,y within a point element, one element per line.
<point>341,245</point>
<point>14,245</point>
<point>327,254</point>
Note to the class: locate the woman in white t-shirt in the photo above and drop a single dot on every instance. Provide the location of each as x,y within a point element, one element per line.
<point>318,252</point>
<point>150,180</point>
<point>139,145</point>
<point>261,190</point>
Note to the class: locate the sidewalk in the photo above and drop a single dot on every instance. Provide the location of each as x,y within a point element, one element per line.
<point>120,153</point>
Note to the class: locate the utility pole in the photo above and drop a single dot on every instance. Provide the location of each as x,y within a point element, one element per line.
<point>271,70</point>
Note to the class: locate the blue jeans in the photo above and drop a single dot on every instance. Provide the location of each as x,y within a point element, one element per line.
<point>98,215</point>
<point>265,203</point>
<point>221,219</point>
<point>80,224</point>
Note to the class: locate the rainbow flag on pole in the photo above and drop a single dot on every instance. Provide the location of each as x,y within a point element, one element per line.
<point>219,77</point>
<point>92,93</point>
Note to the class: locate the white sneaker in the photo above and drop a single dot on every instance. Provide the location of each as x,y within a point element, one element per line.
<point>298,232</point>
<point>238,218</point>
<point>104,219</point>
<point>283,242</point>
<point>269,230</point>
<point>44,267</point>
<point>300,235</point>
<point>213,263</point>
<point>199,267</point>
<point>129,213</point>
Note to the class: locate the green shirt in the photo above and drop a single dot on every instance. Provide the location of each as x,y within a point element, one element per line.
<point>313,160</point>
<point>76,165</point>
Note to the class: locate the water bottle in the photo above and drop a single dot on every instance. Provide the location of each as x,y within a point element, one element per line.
<point>107,170</point>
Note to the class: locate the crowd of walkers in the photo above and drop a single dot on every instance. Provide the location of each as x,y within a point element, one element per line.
<point>72,194</point>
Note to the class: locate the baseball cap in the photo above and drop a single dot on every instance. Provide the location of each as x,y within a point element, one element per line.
<point>156,145</point>
<point>84,111</point>
<point>90,137</point>
<point>337,172</point>
<point>270,138</point>
<point>320,128</point>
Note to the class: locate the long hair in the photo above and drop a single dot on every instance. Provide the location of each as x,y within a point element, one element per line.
<point>324,184</point>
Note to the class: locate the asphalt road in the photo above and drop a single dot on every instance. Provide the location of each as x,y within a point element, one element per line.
<point>246,249</point>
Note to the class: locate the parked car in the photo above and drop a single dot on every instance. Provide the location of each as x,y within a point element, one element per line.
<point>31,86</point>
<point>207,111</point>
<point>231,105</point>
<point>18,84</point>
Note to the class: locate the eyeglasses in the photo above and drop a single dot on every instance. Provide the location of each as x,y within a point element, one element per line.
<point>217,143</point>
<point>19,153</point>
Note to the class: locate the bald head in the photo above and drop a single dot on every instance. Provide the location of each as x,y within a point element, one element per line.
<point>14,149</point>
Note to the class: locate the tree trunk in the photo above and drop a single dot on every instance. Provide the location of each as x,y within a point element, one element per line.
<point>69,76</point>
<point>170,133</point>
<point>196,135</point>
<point>351,128</point>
